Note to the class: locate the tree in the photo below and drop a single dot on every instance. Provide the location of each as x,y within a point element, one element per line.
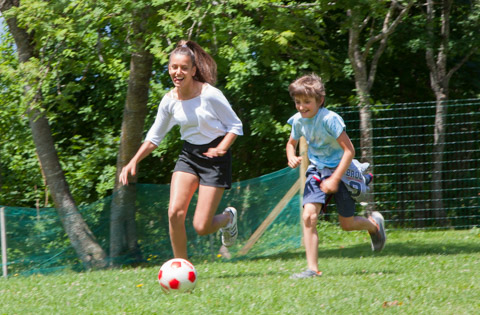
<point>439,51</point>
<point>364,58</point>
<point>82,239</point>
<point>123,236</point>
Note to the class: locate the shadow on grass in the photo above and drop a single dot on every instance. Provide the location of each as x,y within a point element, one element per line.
<point>394,248</point>
<point>249,275</point>
<point>288,273</point>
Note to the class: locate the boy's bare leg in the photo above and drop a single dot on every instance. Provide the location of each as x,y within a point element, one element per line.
<point>357,223</point>
<point>310,233</point>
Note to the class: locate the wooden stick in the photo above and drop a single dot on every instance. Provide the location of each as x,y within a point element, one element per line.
<point>303,152</point>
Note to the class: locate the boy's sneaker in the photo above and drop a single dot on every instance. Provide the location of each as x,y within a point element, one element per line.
<point>309,273</point>
<point>230,232</point>
<point>379,238</point>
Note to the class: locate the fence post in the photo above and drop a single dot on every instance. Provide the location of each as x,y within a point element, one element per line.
<point>3,233</point>
<point>303,152</point>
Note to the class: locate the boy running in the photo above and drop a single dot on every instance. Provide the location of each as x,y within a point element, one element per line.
<point>332,170</point>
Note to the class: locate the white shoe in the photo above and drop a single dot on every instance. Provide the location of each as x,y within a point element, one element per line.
<point>230,232</point>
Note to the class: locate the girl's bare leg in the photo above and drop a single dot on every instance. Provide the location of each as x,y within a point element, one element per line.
<point>204,220</point>
<point>182,188</point>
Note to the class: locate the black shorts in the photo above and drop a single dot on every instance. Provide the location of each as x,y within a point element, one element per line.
<point>216,172</point>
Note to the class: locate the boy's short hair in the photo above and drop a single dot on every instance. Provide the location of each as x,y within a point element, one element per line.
<point>308,85</point>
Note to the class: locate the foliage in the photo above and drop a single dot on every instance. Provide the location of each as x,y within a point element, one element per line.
<point>83,81</point>
<point>260,46</point>
<point>17,153</point>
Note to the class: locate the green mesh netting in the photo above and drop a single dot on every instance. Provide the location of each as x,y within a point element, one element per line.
<point>38,243</point>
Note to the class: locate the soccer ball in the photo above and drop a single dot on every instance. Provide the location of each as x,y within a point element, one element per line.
<point>177,275</point>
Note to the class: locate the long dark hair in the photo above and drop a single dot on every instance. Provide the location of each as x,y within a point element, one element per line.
<point>206,66</point>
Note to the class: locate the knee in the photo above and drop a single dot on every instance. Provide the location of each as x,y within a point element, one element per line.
<point>201,228</point>
<point>176,216</point>
<point>310,216</point>
<point>346,225</point>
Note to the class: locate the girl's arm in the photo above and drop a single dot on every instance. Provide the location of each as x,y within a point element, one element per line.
<point>222,147</point>
<point>131,168</point>
<point>293,159</point>
<point>330,185</point>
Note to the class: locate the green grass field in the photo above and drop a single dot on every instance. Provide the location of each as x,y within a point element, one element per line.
<point>417,273</point>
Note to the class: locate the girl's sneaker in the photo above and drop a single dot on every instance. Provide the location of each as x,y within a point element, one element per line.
<point>230,232</point>
<point>309,273</point>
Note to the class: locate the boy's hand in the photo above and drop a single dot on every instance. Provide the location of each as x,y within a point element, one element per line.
<point>329,185</point>
<point>294,161</point>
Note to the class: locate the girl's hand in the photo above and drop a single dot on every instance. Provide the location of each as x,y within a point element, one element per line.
<point>215,152</point>
<point>127,169</point>
<point>294,161</point>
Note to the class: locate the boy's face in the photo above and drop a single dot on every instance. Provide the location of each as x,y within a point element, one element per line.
<point>307,106</point>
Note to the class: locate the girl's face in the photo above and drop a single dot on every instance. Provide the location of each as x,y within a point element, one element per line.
<point>307,106</point>
<point>181,70</point>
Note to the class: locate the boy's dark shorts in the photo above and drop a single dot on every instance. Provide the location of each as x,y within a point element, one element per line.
<point>313,194</point>
<point>216,172</point>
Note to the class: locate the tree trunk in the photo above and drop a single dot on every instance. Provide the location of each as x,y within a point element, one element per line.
<point>123,234</point>
<point>359,57</point>
<point>366,140</point>
<point>439,81</point>
<point>81,238</point>
<point>366,131</point>
<point>358,60</point>
<point>437,53</point>
<point>438,152</point>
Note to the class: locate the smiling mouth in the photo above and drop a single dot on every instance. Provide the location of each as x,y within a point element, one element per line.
<point>305,114</point>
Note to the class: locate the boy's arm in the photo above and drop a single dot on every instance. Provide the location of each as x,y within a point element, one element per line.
<point>330,185</point>
<point>293,159</point>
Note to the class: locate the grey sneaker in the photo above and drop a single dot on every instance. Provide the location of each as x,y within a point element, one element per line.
<point>379,238</point>
<point>309,273</point>
<point>230,232</point>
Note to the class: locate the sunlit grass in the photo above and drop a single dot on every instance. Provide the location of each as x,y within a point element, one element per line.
<point>417,273</point>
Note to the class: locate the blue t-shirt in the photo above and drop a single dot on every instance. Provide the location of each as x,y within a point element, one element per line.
<point>321,133</point>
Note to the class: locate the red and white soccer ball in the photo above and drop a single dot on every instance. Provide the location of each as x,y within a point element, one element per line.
<point>177,275</point>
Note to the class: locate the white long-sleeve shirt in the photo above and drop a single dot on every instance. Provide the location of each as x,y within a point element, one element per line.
<point>201,119</point>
